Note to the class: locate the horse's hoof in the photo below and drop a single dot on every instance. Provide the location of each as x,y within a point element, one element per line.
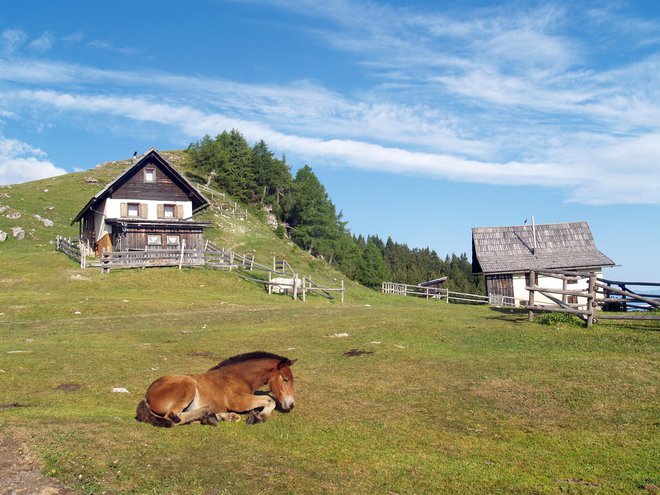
<point>254,418</point>
<point>210,419</point>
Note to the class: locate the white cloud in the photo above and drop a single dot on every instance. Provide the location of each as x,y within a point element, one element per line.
<point>20,162</point>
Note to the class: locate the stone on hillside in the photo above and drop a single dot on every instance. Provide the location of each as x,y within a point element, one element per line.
<point>14,215</point>
<point>45,221</point>
<point>3,208</point>
<point>91,180</point>
<point>18,233</point>
<point>3,236</point>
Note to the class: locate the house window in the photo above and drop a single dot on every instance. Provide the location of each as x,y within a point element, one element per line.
<point>133,210</point>
<point>169,211</point>
<point>154,240</point>
<point>150,175</point>
<point>173,240</point>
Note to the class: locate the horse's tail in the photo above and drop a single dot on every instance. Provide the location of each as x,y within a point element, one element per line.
<point>146,415</point>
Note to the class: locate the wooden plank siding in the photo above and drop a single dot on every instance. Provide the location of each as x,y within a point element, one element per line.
<point>501,285</point>
<point>136,237</point>
<point>164,188</point>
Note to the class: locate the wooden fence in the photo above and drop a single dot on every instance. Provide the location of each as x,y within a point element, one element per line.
<point>218,258</point>
<point>74,249</point>
<point>443,294</point>
<point>296,287</point>
<point>587,303</point>
<point>222,204</point>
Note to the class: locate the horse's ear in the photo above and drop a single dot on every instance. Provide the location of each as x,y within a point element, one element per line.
<point>292,361</point>
<point>285,362</point>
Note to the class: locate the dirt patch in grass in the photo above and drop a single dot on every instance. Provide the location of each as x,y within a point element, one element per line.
<point>13,404</point>
<point>357,352</point>
<point>68,387</point>
<point>22,473</point>
<point>205,354</point>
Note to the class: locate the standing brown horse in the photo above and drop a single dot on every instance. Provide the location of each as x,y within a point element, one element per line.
<point>221,393</point>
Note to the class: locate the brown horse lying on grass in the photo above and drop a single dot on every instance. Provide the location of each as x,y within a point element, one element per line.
<point>221,393</point>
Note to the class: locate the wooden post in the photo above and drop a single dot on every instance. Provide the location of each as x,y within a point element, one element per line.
<point>295,287</point>
<point>106,262</point>
<point>342,291</point>
<point>270,287</point>
<point>564,286</point>
<point>591,301</point>
<point>303,289</point>
<point>530,303</point>
<point>183,246</point>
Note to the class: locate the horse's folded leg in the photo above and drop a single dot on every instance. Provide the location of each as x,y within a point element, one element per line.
<point>232,417</point>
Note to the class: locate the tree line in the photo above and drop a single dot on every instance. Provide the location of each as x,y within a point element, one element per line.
<point>253,174</point>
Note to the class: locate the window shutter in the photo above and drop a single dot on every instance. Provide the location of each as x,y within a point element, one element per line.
<point>161,211</point>
<point>179,211</point>
<point>123,210</point>
<point>144,210</point>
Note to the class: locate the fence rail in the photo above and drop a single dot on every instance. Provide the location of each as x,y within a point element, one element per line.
<point>587,303</point>
<point>73,248</point>
<point>222,204</point>
<point>443,294</point>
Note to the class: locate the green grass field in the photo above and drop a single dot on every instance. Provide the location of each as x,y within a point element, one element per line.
<point>452,398</point>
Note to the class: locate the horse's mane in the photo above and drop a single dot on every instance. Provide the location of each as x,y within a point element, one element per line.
<point>249,356</point>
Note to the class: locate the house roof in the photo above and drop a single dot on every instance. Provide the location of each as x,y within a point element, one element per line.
<point>198,199</point>
<point>558,246</point>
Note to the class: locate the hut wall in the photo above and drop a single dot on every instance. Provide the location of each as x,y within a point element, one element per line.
<point>138,238</point>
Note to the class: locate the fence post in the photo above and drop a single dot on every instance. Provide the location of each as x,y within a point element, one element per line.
<point>591,301</point>
<point>105,263</point>
<point>270,287</point>
<point>295,287</point>
<point>183,247</point>
<point>530,303</point>
<point>303,289</point>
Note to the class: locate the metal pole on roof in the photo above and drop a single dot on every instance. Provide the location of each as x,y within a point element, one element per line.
<point>534,235</point>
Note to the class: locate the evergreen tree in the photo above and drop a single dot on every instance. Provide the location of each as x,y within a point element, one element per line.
<point>313,219</point>
<point>372,271</point>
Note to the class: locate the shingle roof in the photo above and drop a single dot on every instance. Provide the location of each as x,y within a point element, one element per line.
<point>558,246</point>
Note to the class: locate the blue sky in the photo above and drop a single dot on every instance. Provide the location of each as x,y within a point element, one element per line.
<point>422,118</point>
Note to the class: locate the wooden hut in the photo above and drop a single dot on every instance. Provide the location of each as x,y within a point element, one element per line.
<point>506,255</point>
<point>149,206</point>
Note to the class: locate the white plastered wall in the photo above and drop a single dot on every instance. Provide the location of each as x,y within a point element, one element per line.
<point>521,294</point>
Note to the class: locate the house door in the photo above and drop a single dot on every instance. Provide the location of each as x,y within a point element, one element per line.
<point>500,285</point>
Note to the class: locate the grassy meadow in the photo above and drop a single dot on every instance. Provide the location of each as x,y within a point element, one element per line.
<point>447,398</point>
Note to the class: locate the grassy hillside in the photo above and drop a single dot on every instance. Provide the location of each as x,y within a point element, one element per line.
<point>447,399</point>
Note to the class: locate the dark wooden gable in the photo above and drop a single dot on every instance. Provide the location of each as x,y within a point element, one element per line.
<point>164,185</point>
<point>169,185</point>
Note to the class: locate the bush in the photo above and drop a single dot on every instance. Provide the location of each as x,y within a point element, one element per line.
<point>559,319</point>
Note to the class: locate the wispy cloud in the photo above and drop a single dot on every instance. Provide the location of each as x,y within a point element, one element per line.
<point>502,96</point>
<point>104,45</point>
<point>42,44</point>
<point>11,40</point>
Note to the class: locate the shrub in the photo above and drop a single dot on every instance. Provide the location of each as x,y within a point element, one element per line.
<point>559,319</point>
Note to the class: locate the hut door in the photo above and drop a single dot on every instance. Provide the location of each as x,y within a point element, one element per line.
<point>501,285</point>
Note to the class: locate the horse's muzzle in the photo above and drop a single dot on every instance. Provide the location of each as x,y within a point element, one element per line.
<point>287,405</point>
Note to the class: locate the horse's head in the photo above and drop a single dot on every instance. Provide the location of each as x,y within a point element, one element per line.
<point>281,385</point>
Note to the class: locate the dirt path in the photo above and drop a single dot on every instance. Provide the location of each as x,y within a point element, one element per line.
<point>20,473</point>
